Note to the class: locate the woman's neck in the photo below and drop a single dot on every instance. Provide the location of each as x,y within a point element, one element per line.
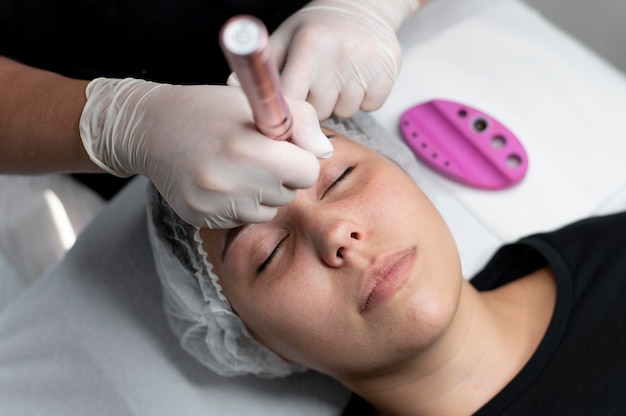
<point>491,338</point>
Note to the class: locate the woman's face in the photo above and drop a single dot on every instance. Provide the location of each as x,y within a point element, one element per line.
<point>359,273</point>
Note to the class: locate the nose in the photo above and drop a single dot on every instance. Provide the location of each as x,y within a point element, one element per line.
<point>336,240</point>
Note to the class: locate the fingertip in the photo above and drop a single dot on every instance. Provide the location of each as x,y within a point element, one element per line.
<point>376,96</point>
<point>218,223</point>
<point>349,101</point>
<point>323,98</point>
<point>233,80</point>
<point>261,214</point>
<point>372,102</point>
<point>347,110</point>
<point>317,143</point>
<point>326,148</point>
<point>307,133</point>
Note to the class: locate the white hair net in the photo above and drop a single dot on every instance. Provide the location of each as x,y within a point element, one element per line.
<point>198,312</point>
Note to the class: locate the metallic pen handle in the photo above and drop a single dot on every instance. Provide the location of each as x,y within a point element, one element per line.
<point>245,43</point>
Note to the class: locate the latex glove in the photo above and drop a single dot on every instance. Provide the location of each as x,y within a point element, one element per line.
<point>341,55</point>
<point>200,148</point>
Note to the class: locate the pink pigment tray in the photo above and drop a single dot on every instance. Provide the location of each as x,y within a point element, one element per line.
<point>464,144</point>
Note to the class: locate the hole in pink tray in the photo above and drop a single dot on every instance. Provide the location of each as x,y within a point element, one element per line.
<point>498,142</point>
<point>480,125</point>
<point>514,161</point>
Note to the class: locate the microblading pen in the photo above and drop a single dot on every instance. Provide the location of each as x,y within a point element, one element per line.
<point>245,43</point>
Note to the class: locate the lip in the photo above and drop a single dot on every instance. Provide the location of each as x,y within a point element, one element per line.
<point>385,277</point>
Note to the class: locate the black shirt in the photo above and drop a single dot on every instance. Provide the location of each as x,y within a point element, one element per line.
<point>579,368</point>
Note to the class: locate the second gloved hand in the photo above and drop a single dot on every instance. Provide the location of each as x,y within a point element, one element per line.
<point>199,146</point>
<point>341,55</point>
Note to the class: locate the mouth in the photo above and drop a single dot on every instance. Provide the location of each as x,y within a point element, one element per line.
<point>385,277</point>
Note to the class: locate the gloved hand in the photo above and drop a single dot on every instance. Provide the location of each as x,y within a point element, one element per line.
<point>200,148</point>
<point>341,55</point>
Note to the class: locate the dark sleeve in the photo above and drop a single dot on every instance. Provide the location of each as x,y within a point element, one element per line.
<point>173,41</point>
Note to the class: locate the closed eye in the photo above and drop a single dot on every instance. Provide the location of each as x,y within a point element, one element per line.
<point>271,257</point>
<point>341,177</point>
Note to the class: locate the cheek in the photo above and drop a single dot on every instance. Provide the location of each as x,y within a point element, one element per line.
<point>296,316</point>
<point>435,294</point>
<point>393,204</point>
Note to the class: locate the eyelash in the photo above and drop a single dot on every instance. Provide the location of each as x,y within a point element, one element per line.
<point>274,252</point>
<point>342,177</point>
<point>269,258</point>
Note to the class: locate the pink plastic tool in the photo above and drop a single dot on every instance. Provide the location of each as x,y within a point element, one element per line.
<point>464,144</point>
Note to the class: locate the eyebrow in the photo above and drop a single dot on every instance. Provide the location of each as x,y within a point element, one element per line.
<point>229,238</point>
